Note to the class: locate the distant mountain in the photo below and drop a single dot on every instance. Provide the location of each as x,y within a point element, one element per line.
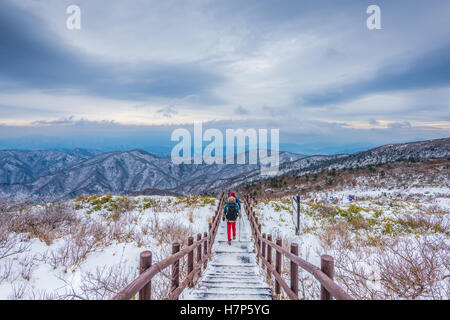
<point>24,166</point>
<point>430,149</point>
<point>117,173</point>
<point>51,175</point>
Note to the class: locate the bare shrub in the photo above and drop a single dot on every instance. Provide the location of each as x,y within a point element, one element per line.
<point>74,250</point>
<point>338,232</point>
<point>161,283</point>
<point>124,228</point>
<point>105,282</point>
<point>42,294</point>
<point>436,223</point>
<point>27,266</point>
<point>405,269</point>
<point>18,290</point>
<point>6,270</point>
<point>415,269</point>
<point>46,223</point>
<point>357,273</point>
<point>91,232</point>
<point>10,243</point>
<point>171,231</point>
<point>309,288</point>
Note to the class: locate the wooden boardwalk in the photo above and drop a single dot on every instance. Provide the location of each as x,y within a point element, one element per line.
<point>233,272</point>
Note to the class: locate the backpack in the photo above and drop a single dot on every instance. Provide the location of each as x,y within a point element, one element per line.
<point>232,212</point>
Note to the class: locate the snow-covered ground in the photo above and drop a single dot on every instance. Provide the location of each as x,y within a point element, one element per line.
<point>369,234</point>
<point>97,251</point>
<point>387,243</point>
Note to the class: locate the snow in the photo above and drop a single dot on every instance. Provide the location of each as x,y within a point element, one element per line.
<point>384,208</point>
<point>46,280</point>
<point>432,205</point>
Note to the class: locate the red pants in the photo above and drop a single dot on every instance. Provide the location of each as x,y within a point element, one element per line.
<point>231,225</point>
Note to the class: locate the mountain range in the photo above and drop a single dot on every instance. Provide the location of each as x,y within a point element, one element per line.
<point>54,174</point>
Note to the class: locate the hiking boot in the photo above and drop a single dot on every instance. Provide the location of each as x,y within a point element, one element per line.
<point>229,242</point>
<point>234,237</point>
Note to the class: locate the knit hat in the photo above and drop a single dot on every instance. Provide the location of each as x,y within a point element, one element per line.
<point>232,194</point>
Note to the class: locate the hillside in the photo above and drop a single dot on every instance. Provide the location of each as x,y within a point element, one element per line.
<point>50,175</point>
<point>23,166</point>
<point>407,152</point>
<point>128,172</point>
<point>388,176</point>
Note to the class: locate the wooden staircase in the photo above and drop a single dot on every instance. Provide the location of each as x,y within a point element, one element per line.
<point>233,272</point>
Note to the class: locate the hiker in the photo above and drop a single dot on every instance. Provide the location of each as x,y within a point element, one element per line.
<point>231,213</point>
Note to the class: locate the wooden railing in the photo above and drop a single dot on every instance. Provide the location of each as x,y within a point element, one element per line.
<point>201,247</point>
<point>264,246</point>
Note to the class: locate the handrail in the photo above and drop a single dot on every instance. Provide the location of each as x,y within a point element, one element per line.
<point>324,275</point>
<point>142,283</point>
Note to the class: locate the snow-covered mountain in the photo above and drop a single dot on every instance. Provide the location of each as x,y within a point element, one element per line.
<point>429,149</point>
<point>23,166</point>
<point>117,173</point>
<point>50,175</point>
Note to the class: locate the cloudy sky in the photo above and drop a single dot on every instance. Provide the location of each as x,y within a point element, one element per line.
<point>138,69</point>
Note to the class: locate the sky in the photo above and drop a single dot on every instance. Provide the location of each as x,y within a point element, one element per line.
<point>139,69</point>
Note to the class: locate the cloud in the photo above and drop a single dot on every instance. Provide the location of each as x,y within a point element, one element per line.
<point>167,112</point>
<point>32,57</point>
<point>310,68</point>
<point>307,137</point>
<point>431,70</point>
<point>397,125</point>
<point>240,110</point>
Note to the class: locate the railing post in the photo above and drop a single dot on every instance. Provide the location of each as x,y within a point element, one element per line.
<point>259,240</point>
<point>263,248</point>
<point>190,262</point>
<point>212,230</point>
<point>269,254</point>
<point>205,248</point>
<point>278,266</point>
<point>145,262</point>
<point>175,267</point>
<point>327,267</point>
<point>255,233</point>
<point>294,269</point>
<point>199,250</point>
<point>209,234</point>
